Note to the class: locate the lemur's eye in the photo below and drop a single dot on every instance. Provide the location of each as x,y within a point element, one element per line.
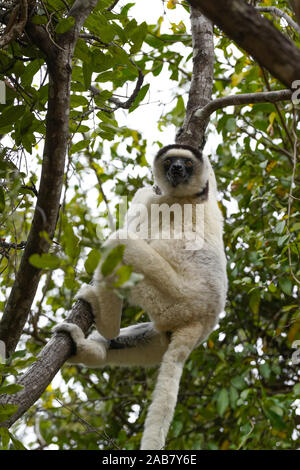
<point>189,163</point>
<point>167,162</point>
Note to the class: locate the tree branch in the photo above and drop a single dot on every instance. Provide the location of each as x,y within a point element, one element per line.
<point>15,24</point>
<point>59,63</point>
<point>50,360</point>
<point>242,99</point>
<point>256,35</point>
<point>281,14</point>
<point>193,129</point>
<point>295,4</point>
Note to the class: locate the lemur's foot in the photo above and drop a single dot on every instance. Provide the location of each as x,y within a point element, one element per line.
<point>106,308</point>
<point>88,293</point>
<point>88,351</point>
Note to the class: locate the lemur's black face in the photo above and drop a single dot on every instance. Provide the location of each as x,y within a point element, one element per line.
<point>178,169</point>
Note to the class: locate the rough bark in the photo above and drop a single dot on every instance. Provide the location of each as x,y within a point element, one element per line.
<point>193,130</point>
<point>16,23</point>
<point>47,206</point>
<point>295,4</point>
<point>256,35</point>
<point>59,62</point>
<point>40,374</point>
<point>276,11</point>
<point>49,362</point>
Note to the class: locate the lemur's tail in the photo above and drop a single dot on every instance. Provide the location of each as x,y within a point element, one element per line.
<point>140,345</point>
<point>162,408</point>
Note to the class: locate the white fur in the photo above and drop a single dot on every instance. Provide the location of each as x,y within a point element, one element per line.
<point>182,291</point>
<point>179,153</point>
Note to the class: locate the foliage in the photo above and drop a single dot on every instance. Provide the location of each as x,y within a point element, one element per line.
<point>239,390</point>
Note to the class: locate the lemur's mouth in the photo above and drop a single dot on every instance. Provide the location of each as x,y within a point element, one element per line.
<point>176,177</point>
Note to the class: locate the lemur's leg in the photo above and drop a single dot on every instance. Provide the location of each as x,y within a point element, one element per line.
<point>106,305</point>
<point>139,345</point>
<point>161,410</point>
<point>147,261</point>
<point>90,353</point>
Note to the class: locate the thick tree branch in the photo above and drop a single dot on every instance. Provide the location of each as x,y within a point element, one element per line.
<point>59,61</point>
<point>193,129</point>
<point>18,306</point>
<point>50,360</point>
<point>281,14</point>
<point>242,99</point>
<point>15,23</point>
<point>256,35</point>
<point>295,4</point>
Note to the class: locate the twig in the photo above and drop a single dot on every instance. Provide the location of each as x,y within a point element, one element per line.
<point>16,23</point>
<point>110,217</point>
<point>276,11</point>
<point>119,104</point>
<point>112,6</point>
<point>14,246</point>
<point>278,112</point>
<point>88,426</point>
<point>243,441</point>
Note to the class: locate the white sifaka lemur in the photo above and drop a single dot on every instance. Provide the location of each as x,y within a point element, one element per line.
<point>184,283</point>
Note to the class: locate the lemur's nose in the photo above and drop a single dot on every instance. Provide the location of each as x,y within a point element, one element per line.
<point>177,167</point>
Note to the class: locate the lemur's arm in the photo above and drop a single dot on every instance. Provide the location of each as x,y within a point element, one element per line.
<point>106,305</point>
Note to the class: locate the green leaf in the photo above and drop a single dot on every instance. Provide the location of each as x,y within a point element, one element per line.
<point>45,261</point>
<point>64,25</point>
<point>10,115</point>
<point>141,95</point>
<point>272,288</point>
<point>5,438</point>
<point>82,144</point>
<point>296,390</point>
<point>222,401</point>
<point>2,200</point>
<point>92,261</point>
<point>238,382</point>
<point>265,370</point>
<point>138,37</point>
<point>286,285</point>
<point>78,100</point>
<point>7,410</point>
<point>255,301</point>
<point>280,227</point>
<point>112,260</point>
<point>275,420</point>
<point>16,443</point>
<point>39,19</point>
<point>71,242</point>
<point>87,71</point>
<point>123,273</point>
<point>10,389</point>
<point>233,397</point>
